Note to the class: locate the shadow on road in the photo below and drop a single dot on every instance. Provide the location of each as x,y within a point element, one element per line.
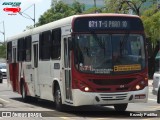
<point>85,111</point>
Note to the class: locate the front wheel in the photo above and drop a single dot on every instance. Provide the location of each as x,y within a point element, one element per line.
<point>120,107</point>
<point>158,96</point>
<point>58,99</point>
<point>1,80</point>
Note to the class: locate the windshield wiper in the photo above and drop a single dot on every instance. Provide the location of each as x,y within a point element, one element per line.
<point>98,40</point>
<point>124,40</point>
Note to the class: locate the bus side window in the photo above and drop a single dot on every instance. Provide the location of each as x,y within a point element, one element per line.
<point>45,45</point>
<point>9,52</point>
<point>21,50</point>
<point>56,44</point>
<point>28,48</point>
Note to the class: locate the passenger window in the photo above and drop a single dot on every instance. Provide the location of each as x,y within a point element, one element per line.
<point>45,45</point>
<point>9,52</point>
<point>28,49</point>
<point>56,44</point>
<point>21,49</point>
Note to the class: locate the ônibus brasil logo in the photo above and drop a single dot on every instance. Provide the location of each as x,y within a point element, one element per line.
<point>14,7</point>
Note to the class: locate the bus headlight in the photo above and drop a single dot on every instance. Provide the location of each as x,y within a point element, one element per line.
<point>86,89</point>
<point>138,87</point>
<point>82,86</point>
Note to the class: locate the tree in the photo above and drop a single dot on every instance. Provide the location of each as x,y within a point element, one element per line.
<point>112,6</point>
<point>78,7</point>
<point>57,12</point>
<point>134,5</point>
<point>123,6</point>
<point>60,10</point>
<point>3,50</point>
<point>151,24</point>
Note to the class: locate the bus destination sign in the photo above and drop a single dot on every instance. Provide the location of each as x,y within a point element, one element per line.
<point>110,24</point>
<point>88,24</point>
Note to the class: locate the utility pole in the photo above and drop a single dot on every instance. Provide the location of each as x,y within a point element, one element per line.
<point>3,31</point>
<point>95,6</point>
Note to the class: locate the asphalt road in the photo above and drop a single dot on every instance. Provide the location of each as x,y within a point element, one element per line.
<point>45,110</point>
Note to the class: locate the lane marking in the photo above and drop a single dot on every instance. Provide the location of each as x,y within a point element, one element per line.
<point>152,99</point>
<point>3,101</point>
<point>66,118</point>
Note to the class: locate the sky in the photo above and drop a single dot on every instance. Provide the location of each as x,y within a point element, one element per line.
<point>15,24</point>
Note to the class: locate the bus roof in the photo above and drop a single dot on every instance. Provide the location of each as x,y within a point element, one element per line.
<point>63,22</point>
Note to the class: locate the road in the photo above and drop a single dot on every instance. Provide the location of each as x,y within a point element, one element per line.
<point>45,110</point>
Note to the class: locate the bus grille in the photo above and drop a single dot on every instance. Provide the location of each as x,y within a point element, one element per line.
<point>113,96</point>
<point>104,82</point>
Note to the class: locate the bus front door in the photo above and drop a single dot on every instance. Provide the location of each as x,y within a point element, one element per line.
<point>35,68</point>
<point>67,71</point>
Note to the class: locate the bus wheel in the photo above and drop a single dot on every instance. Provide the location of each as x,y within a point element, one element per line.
<point>158,96</point>
<point>120,107</point>
<point>58,99</point>
<point>24,93</point>
<point>1,80</point>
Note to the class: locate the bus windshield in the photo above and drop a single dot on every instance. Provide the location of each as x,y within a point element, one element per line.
<point>109,53</point>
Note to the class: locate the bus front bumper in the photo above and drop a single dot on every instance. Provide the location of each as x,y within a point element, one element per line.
<point>89,98</point>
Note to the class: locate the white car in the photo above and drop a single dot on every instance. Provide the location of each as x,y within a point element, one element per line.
<point>3,69</point>
<point>156,86</point>
<point>156,83</point>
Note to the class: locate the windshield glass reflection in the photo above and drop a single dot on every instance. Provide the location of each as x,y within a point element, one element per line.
<point>103,53</point>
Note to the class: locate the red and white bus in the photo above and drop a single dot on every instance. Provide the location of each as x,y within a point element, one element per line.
<point>91,59</point>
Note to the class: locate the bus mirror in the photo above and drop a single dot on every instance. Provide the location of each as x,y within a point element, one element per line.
<point>70,43</point>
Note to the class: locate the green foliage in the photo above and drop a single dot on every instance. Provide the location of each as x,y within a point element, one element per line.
<point>150,16</point>
<point>123,6</point>
<point>60,10</point>
<point>113,6</point>
<point>78,7</point>
<point>2,51</point>
<point>93,10</point>
<point>152,24</point>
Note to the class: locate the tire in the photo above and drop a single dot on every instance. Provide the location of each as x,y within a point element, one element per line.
<point>158,96</point>
<point>120,107</point>
<point>58,99</point>
<point>25,98</point>
<point>1,80</point>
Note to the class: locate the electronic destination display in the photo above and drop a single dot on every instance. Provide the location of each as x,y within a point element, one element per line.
<point>108,24</point>
<point>86,24</point>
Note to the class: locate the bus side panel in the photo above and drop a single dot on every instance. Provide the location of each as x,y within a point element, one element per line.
<point>28,78</point>
<point>13,73</point>
<point>45,80</point>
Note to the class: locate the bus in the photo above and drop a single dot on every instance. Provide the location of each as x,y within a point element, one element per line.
<point>90,59</point>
